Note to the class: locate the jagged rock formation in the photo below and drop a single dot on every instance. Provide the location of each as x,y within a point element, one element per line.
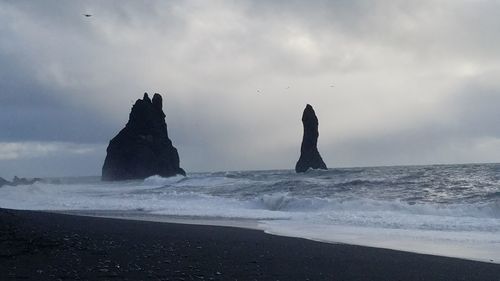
<point>142,148</point>
<point>309,154</point>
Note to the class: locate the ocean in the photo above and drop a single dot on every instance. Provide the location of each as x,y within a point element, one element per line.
<point>448,210</point>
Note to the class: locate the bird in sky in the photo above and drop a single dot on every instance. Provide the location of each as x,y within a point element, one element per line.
<point>87,15</point>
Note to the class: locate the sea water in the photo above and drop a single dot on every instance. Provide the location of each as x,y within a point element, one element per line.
<point>449,210</point>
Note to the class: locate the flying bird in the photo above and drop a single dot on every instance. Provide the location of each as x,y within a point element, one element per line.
<point>87,15</point>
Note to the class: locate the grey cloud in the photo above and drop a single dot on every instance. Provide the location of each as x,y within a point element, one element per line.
<point>476,107</point>
<point>33,111</point>
<point>410,77</point>
<point>51,159</point>
<point>467,131</point>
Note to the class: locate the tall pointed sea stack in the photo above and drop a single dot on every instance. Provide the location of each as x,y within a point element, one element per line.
<point>309,154</point>
<point>142,148</point>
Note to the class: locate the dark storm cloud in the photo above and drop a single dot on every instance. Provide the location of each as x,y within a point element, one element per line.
<point>414,81</point>
<point>32,111</point>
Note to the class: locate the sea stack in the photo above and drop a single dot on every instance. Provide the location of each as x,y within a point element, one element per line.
<point>309,154</point>
<point>142,148</point>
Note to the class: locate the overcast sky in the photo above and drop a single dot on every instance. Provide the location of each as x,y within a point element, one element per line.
<point>392,82</point>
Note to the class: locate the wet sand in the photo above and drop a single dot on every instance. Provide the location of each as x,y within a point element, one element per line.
<point>48,246</point>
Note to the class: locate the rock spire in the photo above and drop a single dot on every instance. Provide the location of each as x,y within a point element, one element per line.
<point>309,154</point>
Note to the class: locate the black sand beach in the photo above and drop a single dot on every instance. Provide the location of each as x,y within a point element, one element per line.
<point>45,246</point>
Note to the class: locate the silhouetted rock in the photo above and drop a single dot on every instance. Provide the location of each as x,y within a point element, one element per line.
<point>309,154</point>
<point>142,148</point>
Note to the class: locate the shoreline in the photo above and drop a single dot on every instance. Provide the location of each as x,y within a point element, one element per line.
<point>189,220</point>
<point>339,234</point>
<point>47,246</point>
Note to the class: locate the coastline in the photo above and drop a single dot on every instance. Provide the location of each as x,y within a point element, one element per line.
<point>402,240</point>
<point>47,246</point>
<point>190,220</point>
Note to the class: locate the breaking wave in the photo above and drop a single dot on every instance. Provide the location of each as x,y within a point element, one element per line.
<point>432,201</point>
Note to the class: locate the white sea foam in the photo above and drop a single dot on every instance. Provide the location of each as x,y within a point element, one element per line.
<point>340,206</point>
<point>161,181</point>
<point>468,245</point>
